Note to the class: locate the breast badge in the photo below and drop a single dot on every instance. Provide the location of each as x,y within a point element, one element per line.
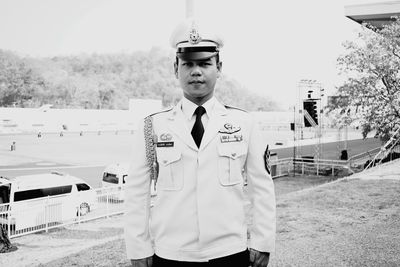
<point>229,129</point>
<point>231,138</point>
<point>165,140</point>
<point>228,133</point>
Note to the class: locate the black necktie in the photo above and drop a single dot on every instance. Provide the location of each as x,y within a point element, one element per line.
<point>198,129</point>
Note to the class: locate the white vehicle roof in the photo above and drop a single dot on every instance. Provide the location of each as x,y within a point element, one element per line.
<point>117,168</point>
<point>43,180</point>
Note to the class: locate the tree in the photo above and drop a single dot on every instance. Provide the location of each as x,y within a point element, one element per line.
<point>5,244</point>
<point>20,85</point>
<point>372,89</point>
<point>105,81</point>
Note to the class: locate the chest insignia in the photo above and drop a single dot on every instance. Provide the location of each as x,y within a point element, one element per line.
<point>229,128</point>
<point>165,140</point>
<point>227,138</point>
<point>166,137</point>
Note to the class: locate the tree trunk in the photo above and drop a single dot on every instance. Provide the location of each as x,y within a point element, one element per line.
<point>5,244</point>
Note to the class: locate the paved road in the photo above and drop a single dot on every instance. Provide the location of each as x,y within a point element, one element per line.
<point>331,150</point>
<point>92,173</point>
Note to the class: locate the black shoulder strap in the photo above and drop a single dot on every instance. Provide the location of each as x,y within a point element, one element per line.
<point>232,107</point>
<point>161,111</point>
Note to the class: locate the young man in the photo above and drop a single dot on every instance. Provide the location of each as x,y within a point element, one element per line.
<point>205,151</point>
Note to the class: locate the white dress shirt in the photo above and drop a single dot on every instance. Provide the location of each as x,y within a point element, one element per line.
<point>188,108</point>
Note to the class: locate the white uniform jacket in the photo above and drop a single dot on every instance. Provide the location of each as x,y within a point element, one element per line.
<point>199,212</point>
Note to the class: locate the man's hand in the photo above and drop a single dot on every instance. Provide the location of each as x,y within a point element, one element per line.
<point>258,258</point>
<point>146,262</point>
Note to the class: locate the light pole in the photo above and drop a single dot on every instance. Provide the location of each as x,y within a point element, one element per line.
<point>294,140</point>
<point>321,118</point>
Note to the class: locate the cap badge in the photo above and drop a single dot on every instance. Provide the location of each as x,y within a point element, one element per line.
<point>194,36</point>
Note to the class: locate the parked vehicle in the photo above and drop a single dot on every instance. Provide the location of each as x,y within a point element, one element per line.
<point>114,175</point>
<point>34,200</point>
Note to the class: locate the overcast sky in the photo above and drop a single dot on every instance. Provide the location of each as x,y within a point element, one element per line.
<point>269,45</point>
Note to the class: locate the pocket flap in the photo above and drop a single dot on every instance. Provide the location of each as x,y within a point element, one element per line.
<point>167,156</point>
<point>231,151</point>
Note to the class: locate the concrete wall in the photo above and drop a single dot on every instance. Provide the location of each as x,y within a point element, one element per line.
<point>46,119</point>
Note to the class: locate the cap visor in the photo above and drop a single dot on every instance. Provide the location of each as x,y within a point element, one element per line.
<point>196,55</point>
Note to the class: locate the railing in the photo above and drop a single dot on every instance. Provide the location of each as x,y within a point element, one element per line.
<point>287,166</point>
<point>357,162</point>
<point>387,151</point>
<point>30,216</point>
<point>280,167</point>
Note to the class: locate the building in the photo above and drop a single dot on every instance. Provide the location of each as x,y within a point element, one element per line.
<point>377,14</point>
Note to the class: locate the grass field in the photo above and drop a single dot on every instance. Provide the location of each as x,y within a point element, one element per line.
<point>346,222</point>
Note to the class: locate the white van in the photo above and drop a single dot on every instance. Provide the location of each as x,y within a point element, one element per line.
<point>114,175</point>
<point>114,179</point>
<point>39,199</point>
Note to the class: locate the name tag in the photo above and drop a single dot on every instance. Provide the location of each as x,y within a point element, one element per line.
<point>231,138</point>
<point>165,144</point>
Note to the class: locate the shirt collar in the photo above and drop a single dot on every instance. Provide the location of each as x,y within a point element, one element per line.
<point>188,107</point>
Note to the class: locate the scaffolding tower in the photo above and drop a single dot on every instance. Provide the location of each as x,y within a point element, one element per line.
<point>306,88</point>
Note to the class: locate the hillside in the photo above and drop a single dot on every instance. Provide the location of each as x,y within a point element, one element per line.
<point>105,81</point>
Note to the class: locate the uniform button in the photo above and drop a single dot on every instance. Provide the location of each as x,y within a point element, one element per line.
<point>233,154</point>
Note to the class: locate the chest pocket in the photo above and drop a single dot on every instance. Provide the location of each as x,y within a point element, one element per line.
<point>170,176</point>
<point>230,163</point>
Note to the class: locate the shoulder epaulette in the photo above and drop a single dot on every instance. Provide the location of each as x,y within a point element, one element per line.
<point>231,107</point>
<point>161,111</point>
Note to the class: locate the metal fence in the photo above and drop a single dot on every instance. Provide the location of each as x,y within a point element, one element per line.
<point>288,166</point>
<point>30,216</point>
<point>358,161</point>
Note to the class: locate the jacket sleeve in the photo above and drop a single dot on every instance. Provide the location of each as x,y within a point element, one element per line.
<point>137,201</point>
<point>262,195</point>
